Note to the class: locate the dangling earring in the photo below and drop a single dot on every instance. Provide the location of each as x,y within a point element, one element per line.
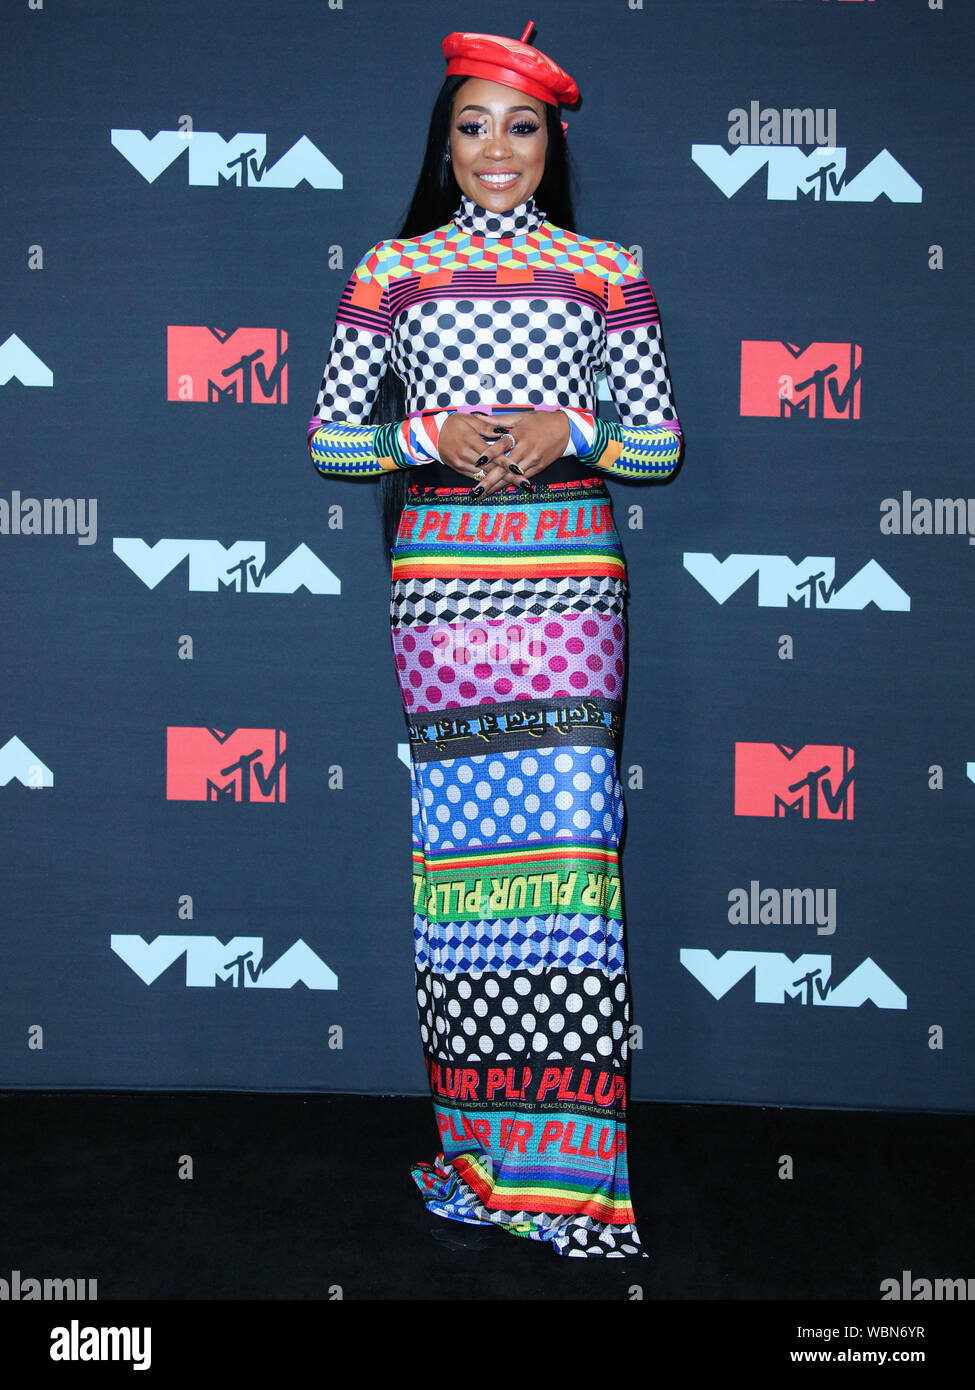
<point>446,156</point>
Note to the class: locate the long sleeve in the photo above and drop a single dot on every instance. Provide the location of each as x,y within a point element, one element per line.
<point>339,439</point>
<point>646,443</point>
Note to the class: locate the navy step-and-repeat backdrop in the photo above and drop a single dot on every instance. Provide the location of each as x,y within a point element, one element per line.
<point>204,807</point>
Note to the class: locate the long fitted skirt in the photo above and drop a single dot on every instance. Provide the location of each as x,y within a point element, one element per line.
<point>508,633</point>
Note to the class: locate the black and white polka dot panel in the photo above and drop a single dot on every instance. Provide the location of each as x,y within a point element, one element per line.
<point>538,352</point>
<point>637,376</point>
<point>510,1016</point>
<point>468,351</point>
<point>481,221</point>
<point>355,366</point>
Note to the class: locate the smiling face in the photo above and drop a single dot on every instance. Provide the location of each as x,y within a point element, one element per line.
<point>498,141</point>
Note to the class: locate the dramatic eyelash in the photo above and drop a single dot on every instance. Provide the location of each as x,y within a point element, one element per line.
<point>521,127</point>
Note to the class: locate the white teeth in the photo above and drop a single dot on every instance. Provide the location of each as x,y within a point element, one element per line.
<point>498,178</point>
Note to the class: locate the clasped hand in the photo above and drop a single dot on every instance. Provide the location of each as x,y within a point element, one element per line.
<point>540,438</point>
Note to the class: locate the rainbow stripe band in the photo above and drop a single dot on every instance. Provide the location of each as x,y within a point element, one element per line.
<point>572,879</point>
<point>545,1192</point>
<point>500,567</point>
<point>548,537</point>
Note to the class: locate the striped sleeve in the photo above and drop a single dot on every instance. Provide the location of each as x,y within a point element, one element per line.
<point>340,439</point>
<point>646,442</point>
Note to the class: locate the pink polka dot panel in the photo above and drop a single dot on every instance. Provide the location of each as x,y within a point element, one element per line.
<point>452,665</point>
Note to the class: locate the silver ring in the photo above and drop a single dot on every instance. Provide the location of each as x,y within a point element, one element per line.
<point>508,435</point>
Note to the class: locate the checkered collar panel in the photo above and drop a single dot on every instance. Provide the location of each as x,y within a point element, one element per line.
<point>494,226</point>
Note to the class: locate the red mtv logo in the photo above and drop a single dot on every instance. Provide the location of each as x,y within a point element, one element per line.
<point>820,381</point>
<point>246,365</point>
<point>814,781</point>
<point>242,765</point>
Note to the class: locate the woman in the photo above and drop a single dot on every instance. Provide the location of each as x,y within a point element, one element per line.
<point>508,634</point>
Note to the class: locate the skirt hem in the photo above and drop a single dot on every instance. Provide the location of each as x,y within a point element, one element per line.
<point>445,1193</point>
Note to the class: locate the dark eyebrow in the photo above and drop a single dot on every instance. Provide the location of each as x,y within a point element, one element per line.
<point>471,107</point>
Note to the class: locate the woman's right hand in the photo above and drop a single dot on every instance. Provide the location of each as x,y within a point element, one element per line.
<point>463,448</point>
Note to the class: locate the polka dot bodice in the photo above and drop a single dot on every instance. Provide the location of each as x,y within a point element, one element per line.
<point>498,309</point>
<point>469,351</point>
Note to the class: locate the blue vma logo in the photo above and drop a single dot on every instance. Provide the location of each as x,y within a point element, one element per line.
<point>821,176</point>
<point>212,160</point>
<point>18,361</point>
<point>240,566</point>
<point>238,963</point>
<point>808,979</point>
<point>17,762</point>
<point>809,583</point>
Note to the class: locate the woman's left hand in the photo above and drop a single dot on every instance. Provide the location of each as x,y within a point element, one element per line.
<point>540,438</point>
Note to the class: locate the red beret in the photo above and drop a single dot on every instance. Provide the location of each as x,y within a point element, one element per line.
<point>512,62</point>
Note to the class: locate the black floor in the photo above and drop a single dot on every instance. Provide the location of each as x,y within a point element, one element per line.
<point>292,1196</point>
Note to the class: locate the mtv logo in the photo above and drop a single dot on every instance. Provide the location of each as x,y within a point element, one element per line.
<point>820,381</point>
<point>808,979</point>
<point>17,360</point>
<point>239,962</point>
<point>243,366</point>
<point>241,765</point>
<point>813,781</point>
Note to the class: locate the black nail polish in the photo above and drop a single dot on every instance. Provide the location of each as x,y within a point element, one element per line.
<point>476,491</point>
<point>481,461</point>
<point>517,468</point>
<point>526,486</point>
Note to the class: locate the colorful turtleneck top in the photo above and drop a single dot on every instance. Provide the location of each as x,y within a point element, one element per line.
<point>497,309</point>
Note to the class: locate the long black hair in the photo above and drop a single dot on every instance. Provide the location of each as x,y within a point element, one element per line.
<point>435,200</point>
